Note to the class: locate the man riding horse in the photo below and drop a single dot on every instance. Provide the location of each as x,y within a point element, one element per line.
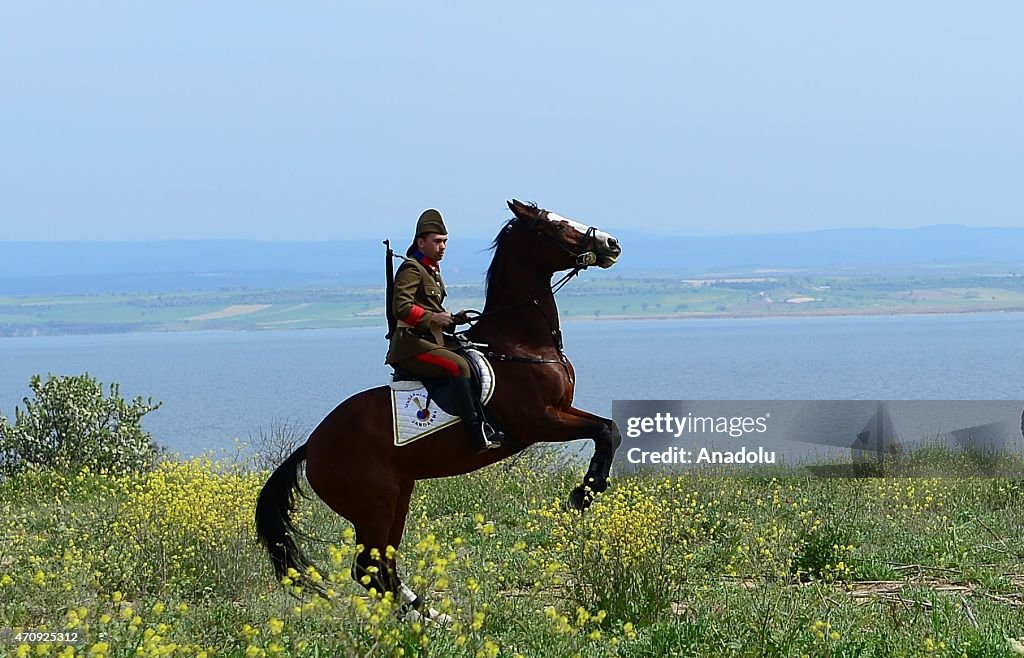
<point>418,345</point>
<point>352,461</point>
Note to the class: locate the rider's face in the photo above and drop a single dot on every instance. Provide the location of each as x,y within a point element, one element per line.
<point>433,245</point>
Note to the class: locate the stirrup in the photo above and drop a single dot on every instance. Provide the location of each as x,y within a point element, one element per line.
<point>487,446</point>
<point>492,438</point>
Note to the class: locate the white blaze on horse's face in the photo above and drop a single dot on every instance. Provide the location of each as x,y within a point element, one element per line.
<point>605,246</point>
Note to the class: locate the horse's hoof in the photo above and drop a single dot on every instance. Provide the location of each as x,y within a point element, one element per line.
<point>431,618</point>
<point>438,617</point>
<point>579,498</point>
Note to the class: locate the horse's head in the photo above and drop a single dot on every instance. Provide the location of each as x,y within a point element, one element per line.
<point>567,243</point>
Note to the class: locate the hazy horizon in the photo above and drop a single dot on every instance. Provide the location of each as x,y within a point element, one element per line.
<point>400,241</point>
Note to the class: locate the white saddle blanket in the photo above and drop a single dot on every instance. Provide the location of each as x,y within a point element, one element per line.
<point>413,419</point>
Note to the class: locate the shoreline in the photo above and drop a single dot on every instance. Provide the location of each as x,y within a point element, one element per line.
<point>39,332</point>
<point>829,313</point>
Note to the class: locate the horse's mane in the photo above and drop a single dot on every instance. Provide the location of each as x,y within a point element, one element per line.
<point>496,247</point>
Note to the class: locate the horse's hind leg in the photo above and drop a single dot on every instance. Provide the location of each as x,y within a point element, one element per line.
<point>373,567</point>
<point>380,534</point>
<point>412,605</point>
<point>408,597</point>
<point>381,572</point>
<point>371,512</point>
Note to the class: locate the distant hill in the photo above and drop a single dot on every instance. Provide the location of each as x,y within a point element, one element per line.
<point>82,267</point>
<point>836,248</point>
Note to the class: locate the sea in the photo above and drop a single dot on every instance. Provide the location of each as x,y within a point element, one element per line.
<point>220,389</point>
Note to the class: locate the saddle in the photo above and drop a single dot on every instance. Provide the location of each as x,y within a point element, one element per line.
<point>421,406</point>
<point>439,391</point>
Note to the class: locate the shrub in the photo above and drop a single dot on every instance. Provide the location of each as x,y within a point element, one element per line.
<point>70,425</point>
<point>629,554</point>
<point>827,553</point>
<point>189,524</point>
<point>272,444</point>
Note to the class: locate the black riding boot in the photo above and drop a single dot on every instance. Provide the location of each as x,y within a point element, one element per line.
<point>484,436</point>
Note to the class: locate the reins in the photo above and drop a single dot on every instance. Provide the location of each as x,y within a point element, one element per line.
<point>556,335</point>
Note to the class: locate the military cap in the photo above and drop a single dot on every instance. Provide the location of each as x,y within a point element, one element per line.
<point>430,222</point>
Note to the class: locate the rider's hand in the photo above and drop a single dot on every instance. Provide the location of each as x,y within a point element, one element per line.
<point>442,319</point>
<point>460,318</point>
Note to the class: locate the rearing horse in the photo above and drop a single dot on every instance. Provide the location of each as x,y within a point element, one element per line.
<point>351,460</point>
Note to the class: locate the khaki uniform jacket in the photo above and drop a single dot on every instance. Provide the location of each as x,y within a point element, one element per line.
<point>419,293</point>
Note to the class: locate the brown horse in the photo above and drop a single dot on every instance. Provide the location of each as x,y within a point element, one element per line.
<point>352,462</point>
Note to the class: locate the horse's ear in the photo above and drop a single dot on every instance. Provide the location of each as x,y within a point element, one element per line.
<point>518,208</point>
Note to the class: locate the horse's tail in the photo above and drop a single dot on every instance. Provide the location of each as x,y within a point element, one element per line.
<point>274,524</point>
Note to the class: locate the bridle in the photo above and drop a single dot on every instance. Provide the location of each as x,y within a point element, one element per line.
<point>582,261</point>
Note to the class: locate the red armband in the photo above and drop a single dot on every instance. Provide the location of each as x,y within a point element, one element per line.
<point>415,315</point>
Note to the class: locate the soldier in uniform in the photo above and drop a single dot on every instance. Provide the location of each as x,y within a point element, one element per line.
<point>418,344</point>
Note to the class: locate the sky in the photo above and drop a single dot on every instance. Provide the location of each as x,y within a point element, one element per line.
<point>337,120</point>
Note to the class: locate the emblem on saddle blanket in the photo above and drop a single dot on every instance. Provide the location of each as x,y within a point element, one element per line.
<point>414,418</point>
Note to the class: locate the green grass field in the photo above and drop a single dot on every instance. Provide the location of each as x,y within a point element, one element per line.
<point>585,298</point>
<point>166,564</point>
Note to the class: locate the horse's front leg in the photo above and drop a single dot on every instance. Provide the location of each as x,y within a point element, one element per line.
<point>606,442</point>
<point>570,424</point>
